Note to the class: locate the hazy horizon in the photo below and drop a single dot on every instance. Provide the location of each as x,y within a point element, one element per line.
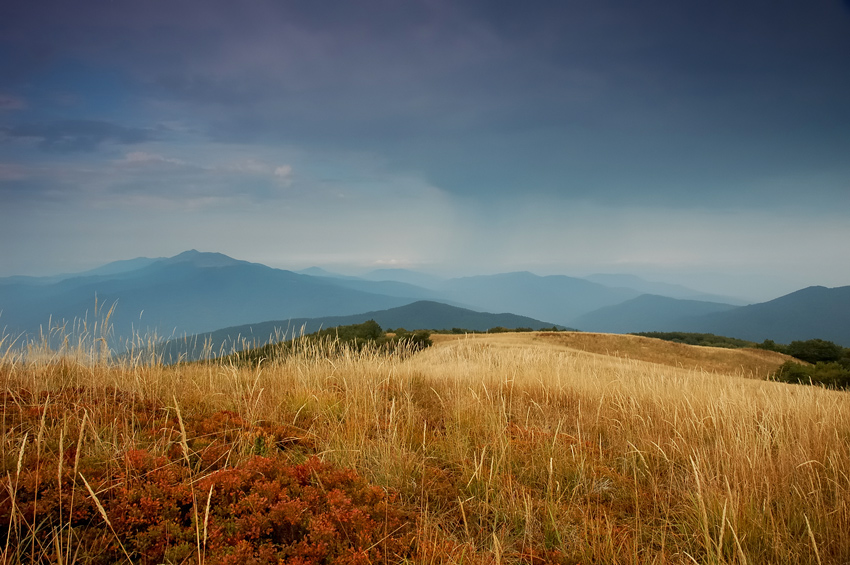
<point>704,145</point>
<point>737,288</point>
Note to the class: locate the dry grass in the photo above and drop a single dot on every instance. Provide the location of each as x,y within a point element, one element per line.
<point>509,448</point>
<point>751,363</point>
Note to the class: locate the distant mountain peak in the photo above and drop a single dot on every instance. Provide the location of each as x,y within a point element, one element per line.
<point>189,255</point>
<point>813,295</point>
<point>203,259</point>
<point>815,288</point>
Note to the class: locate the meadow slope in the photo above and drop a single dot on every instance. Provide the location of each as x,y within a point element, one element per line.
<point>505,448</point>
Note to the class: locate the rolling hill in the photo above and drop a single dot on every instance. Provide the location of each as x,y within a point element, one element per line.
<point>418,315</point>
<point>749,363</point>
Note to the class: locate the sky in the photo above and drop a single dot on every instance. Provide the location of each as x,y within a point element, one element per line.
<point>705,143</point>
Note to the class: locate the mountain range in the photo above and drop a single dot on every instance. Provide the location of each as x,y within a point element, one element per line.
<point>815,312</point>
<point>197,293</point>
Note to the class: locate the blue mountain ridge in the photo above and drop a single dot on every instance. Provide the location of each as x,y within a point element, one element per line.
<point>197,292</point>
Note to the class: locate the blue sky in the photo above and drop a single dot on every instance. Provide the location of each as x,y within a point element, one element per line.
<point>698,142</point>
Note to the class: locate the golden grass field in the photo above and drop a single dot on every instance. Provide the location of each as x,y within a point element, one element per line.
<point>496,448</point>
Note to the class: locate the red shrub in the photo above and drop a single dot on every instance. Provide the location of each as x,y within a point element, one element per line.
<point>262,511</point>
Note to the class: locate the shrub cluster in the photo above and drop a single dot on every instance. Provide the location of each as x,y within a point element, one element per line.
<point>183,503</point>
<point>830,363</point>
<point>417,340</point>
<point>830,375</point>
<point>333,341</point>
<point>811,351</point>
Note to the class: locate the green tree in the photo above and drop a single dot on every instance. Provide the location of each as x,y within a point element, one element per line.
<point>815,351</point>
<point>830,375</point>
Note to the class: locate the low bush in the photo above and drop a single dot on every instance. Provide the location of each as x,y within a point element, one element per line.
<point>335,341</point>
<point>179,501</point>
<point>830,375</point>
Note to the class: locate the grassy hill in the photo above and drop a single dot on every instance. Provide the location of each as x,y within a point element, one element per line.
<point>489,448</point>
<point>746,362</point>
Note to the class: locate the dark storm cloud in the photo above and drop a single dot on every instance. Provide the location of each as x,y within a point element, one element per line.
<point>664,102</point>
<point>661,101</point>
<point>68,136</point>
